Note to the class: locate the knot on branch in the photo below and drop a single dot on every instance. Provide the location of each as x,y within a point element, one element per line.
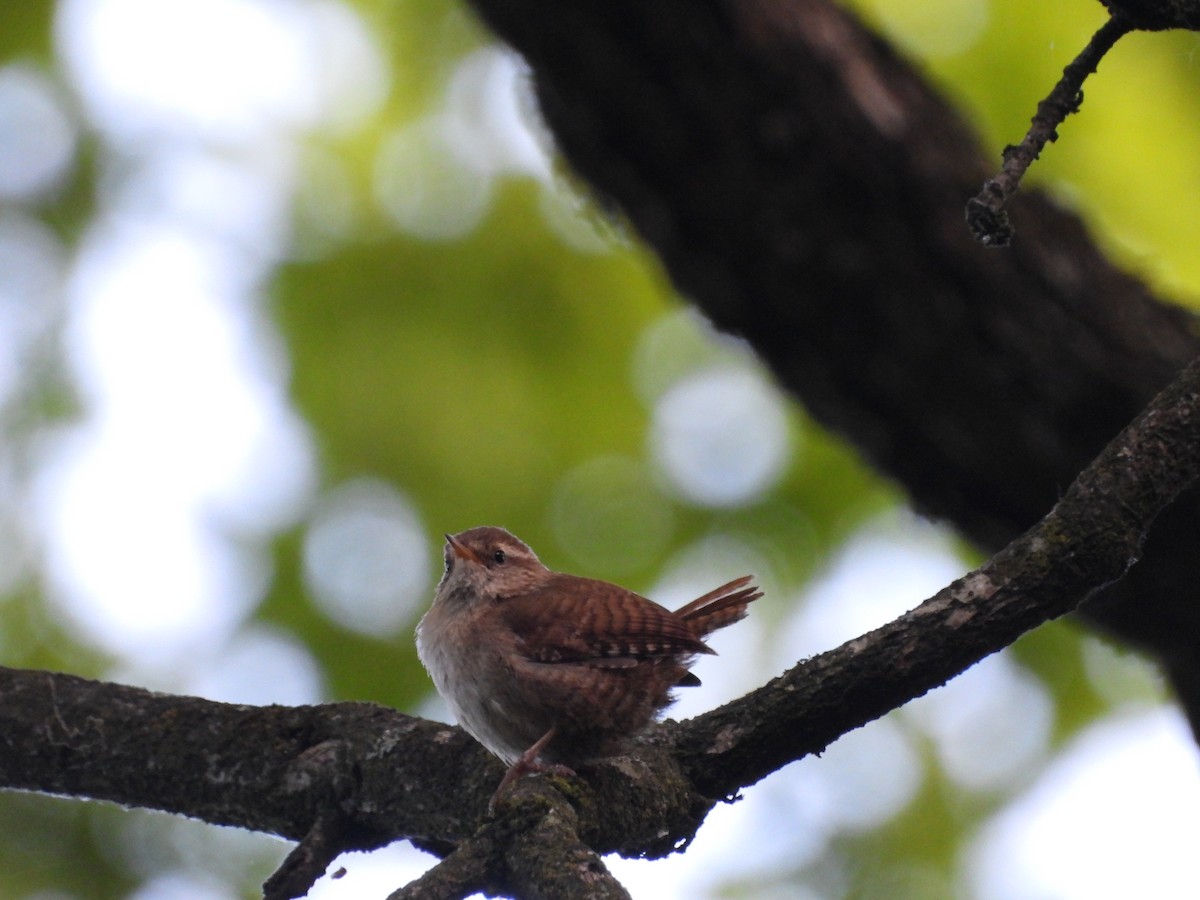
<point>327,777</point>
<point>532,848</point>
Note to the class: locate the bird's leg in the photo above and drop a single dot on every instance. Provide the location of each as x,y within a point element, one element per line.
<point>527,764</point>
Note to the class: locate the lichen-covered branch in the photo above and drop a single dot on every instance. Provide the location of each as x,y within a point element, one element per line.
<point>274,768</point>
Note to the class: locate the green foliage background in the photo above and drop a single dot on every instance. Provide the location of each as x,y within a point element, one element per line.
<point>474,374</point>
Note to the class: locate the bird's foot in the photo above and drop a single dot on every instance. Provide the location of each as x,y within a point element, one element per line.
<point>529,764</point>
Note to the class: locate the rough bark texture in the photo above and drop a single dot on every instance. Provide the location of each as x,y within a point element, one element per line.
<point>339,776</point>
<point>532,851</point>
<point>804,186</point>
<point>268,768</point>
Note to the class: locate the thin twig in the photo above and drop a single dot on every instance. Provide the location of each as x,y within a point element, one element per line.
<point>985,211</point>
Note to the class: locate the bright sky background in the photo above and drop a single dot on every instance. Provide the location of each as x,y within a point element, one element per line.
<point>167,283</point>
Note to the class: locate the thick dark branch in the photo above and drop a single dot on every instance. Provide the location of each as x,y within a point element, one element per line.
<point>805,187</point>
<point>1092,536</point>
<point>1157,15</point>
<point>274,769</point>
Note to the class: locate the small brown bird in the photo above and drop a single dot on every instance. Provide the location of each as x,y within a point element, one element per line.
<point>549,670</point>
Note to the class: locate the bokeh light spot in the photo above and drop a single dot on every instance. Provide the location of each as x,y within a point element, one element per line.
<point>260,665</point>
<point>1120,674</point>
<point>887,568</point>
<point>677,344</point>
<point>424,189</point>
<point>721,436</point>
<point>280,65</point>
<point>37,139</point>
<point>31,277</point>
<point>187,436</point>
<point>1116,815</point>
<point>862,780</point>
<point>990,725</point>
<point>488,115</point>
<point>366,558</point>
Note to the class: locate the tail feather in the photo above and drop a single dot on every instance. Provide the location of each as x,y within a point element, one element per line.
<point>720,607</point>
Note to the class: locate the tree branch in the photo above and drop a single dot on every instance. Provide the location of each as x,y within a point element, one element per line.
<point>342,776</point>
<point>262,768</point>
<point>1090,538</point>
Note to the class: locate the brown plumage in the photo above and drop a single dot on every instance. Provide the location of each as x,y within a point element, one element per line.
<point>547,668</point>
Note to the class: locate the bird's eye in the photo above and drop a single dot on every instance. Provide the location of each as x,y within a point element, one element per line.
<point>499,556</point>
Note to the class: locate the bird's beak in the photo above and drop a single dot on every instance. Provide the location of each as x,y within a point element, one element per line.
<point>461,550</point>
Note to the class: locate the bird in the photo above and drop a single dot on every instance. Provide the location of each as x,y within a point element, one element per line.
<point>550,671</point>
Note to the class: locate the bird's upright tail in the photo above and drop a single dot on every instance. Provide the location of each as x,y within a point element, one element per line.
<point>720,607</point>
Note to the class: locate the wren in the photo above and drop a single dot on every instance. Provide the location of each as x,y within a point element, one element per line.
<point>549,670</point>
